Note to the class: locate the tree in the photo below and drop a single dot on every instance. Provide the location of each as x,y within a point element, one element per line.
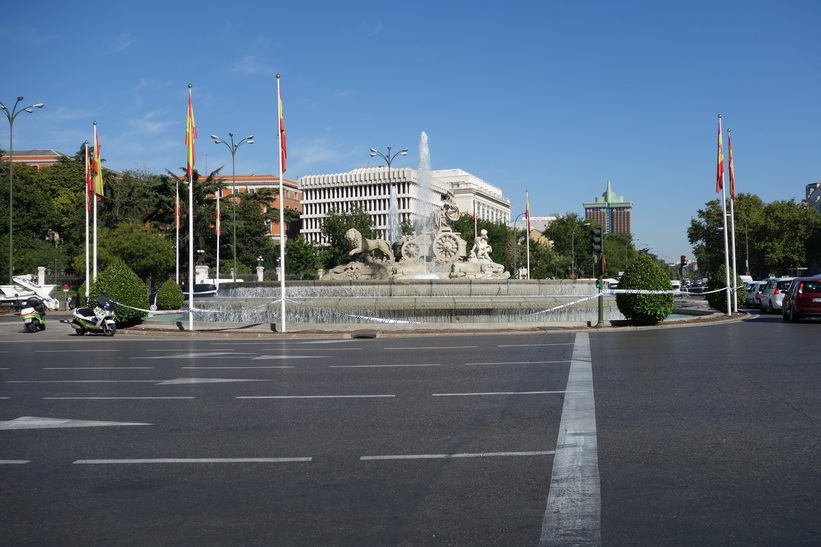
<point>33,216</point>
<point>334,227</point>
<point>570,236</point>
<point>781,235</point>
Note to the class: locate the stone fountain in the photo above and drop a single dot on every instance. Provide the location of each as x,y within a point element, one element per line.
<point>428,280</point>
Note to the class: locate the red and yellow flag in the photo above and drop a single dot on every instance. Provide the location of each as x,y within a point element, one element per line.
<point>98,168</point>
<point>720,162</point>
<point>527,211</point>
<point>282,148</point>
<point>190,136</point>
<point>732,171</point>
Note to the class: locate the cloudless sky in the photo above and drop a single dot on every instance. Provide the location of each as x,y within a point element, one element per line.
<point>552,97</point>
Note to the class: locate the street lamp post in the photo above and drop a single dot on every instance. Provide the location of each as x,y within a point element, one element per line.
<point>233,148</point>
<point>11,116</point>
<point>392,230</point>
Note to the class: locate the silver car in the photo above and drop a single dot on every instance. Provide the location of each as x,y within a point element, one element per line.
<point>773,293</point>
<point>752,290</point>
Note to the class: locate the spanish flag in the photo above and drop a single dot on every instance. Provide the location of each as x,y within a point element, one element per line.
<point>732,171</point>
<point>282,149</point>
<point>98,168</point>
<point>720,162</point>
<point>190,136</point>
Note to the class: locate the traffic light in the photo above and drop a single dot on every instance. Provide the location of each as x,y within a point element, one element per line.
<point>683,261</point>
<point>595,240</point>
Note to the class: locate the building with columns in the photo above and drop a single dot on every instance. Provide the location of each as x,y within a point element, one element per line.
<point>370,188</point>
<point>611,212</point>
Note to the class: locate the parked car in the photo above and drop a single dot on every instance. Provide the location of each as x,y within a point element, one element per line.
<point>200,290</point>
<point>773,293</point>
<point>803,299</point>
<point>754,294</point>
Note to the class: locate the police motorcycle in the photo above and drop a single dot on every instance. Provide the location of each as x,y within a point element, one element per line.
<point>34,314</point>
<point>98,319</point>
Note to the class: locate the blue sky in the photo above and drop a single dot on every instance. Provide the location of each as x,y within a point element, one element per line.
<point>550,97</point>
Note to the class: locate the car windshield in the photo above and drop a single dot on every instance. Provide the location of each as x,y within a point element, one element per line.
<point>812,286</point>
<point>783,285</point>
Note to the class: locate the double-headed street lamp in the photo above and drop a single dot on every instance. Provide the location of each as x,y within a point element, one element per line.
<point>393,231</point>
<point>233,148</point>
<point>11,116</point>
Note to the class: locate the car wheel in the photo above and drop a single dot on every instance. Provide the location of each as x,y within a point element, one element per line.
<point>794,317</point>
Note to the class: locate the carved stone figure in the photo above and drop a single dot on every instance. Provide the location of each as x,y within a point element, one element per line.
<point>446,215</point>
<point>361,244</point>
<point>481,248</point>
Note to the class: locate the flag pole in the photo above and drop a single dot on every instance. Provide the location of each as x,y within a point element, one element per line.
<point>88,207</point>
<point>732,216</point>
<point>280,131</point>
<point>177,214</point>
<point>190,134</point>
<point>98,166</point>
<point>527,241</point>
<point>720,182</point>
<point>219,230</point>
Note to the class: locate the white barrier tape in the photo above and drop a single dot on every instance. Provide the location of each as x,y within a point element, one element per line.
<point>565,305</point>
<point>381,320</point>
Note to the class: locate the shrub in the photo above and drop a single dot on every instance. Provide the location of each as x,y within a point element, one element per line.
<point>169,296</point>
<point>645,309</point>
<point>718,300</point>
<point>119,283</point>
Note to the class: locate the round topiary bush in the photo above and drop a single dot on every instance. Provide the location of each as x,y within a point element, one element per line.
<point>119,283</point>
<point>718,300</point>
<point>169,296</point>
<point>644,273</point>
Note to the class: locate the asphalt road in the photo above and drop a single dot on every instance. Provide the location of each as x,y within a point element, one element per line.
<point>690,436</point>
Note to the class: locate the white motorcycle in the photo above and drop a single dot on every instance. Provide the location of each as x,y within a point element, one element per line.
<point>100,318</point>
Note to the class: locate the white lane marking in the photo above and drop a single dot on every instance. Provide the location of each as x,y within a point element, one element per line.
<point>192,460</point>
<point>386,366</point>
<point>453,456</point>
<point>73,350</point>
<point>291,357</point>
<point>533,345</point>
<point>433,347</point>
<point>309,349</point>
<point>236,368</point>
<point>208,381</point>
<point>83,381</point>
<point>110,398</point>
<point>315,396</point>
<point>14,462</point>
<point>204,355</point>
<point>479,394</point>
<point>34,422</point>
<point>521,363</point>
<point>97,368</point>
<point>573,513</point>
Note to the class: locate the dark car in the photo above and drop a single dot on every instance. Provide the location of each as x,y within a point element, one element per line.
<point>803,299</point>
<point>200,290</point>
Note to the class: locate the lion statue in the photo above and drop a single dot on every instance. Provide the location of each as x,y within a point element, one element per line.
<point>361,244</point>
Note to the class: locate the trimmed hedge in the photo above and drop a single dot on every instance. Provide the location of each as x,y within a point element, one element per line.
<point>119,283</point>
<point>169,296</point>
<point>644,273</point>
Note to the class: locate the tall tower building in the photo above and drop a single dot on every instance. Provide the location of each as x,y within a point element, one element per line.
<point>611,212</point>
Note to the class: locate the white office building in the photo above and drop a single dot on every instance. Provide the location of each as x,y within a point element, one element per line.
<point>370,188</point>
